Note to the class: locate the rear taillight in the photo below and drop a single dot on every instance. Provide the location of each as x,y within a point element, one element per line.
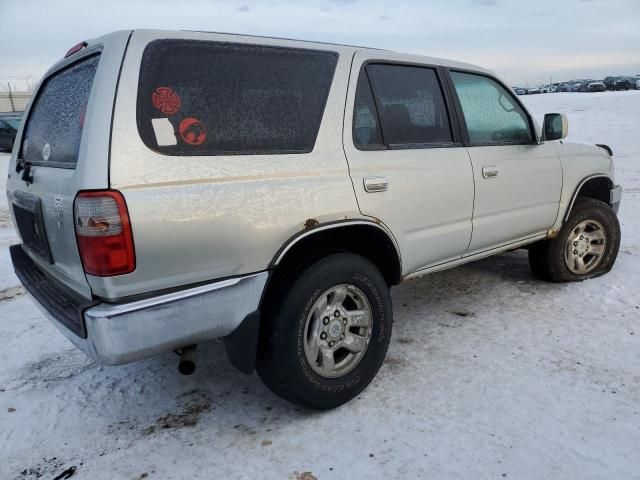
<point>104,234</point>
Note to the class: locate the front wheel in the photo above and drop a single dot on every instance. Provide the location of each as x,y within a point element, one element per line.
<point>327,333</point>
<point>586,247</point>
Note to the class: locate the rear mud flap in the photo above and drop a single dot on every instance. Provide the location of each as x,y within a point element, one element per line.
<point>242,344</point>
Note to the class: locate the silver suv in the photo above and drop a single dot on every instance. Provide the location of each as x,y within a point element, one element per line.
<point>174,187</point>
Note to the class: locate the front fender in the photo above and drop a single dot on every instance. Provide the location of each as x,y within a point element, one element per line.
<point>580,163</point>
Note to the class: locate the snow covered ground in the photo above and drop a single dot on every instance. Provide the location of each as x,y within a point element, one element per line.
<point>490,374</point>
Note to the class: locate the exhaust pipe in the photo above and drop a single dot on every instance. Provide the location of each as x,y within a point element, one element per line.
<point>187,362</point>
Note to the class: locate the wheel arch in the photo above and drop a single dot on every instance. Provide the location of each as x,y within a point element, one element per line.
<point>593,186</point>
<point>368,238</point>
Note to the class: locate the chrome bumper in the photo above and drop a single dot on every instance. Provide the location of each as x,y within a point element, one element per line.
<point>123,333</point>
<point>615,197</point>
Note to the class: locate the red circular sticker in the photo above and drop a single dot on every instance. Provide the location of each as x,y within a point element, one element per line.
<point>166,100</point>
<point>192,131</point>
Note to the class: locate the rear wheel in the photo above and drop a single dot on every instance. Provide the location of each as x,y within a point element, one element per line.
<point>327,332</point>
<point>586,247</point>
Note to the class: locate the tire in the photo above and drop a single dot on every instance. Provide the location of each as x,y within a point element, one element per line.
<point>552,260</point>
<point>283,357</point>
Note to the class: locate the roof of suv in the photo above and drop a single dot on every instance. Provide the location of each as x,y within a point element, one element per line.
<point>278,41</point>
<point>289,39</point>
<point>383,53</point>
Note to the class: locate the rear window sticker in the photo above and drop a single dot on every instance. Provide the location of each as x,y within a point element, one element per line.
<point>166,100</point>
<point>165,134</point>
<point>192,131</point>
<point>46,152</point>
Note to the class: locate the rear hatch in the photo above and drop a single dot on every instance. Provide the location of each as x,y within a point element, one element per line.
<point>64,149</point>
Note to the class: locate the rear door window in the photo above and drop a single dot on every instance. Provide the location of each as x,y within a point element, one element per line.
<point>366,125</point>
<point>212,98</point>
<point>54,127</point>
<point>410,104</point>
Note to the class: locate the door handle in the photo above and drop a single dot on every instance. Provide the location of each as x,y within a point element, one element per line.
<point>375,184</point>
<point>490,172</point>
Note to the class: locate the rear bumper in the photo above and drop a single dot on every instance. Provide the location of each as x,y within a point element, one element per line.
<point>121,333</point>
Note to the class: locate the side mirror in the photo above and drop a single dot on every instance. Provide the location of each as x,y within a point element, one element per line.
<point>556,126</point>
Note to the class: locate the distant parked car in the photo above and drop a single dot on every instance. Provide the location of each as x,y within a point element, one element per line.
<point>584,84</point>
<point>520,91</point>
<point>596,87</point>
<point>638,84</point>
<point>608,82</point>
<point>621,84</point>
<point>533,90</point>
<point>8,129</point>
<point>576,87</point>
<point>564,87</point>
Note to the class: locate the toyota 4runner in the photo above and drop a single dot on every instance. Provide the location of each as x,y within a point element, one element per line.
<point>175,187</point>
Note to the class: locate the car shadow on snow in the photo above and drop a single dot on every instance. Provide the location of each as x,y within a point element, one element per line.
<point>150,398</point>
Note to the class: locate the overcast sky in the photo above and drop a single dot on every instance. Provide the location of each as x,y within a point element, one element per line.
<point>524,41</point>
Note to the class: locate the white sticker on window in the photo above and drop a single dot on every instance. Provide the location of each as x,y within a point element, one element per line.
<point>165,134</point>
<point>46,152</point>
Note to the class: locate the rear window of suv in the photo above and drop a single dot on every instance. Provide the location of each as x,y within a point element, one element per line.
<point>54,127</point>
<point>212,98</point>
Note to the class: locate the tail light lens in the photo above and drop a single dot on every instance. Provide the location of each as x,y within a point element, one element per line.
<point>104,234</point>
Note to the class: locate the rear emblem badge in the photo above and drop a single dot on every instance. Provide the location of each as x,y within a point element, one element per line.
<point>46,152</point>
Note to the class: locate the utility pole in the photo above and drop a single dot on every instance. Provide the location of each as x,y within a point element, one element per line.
<point>13,107</point>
